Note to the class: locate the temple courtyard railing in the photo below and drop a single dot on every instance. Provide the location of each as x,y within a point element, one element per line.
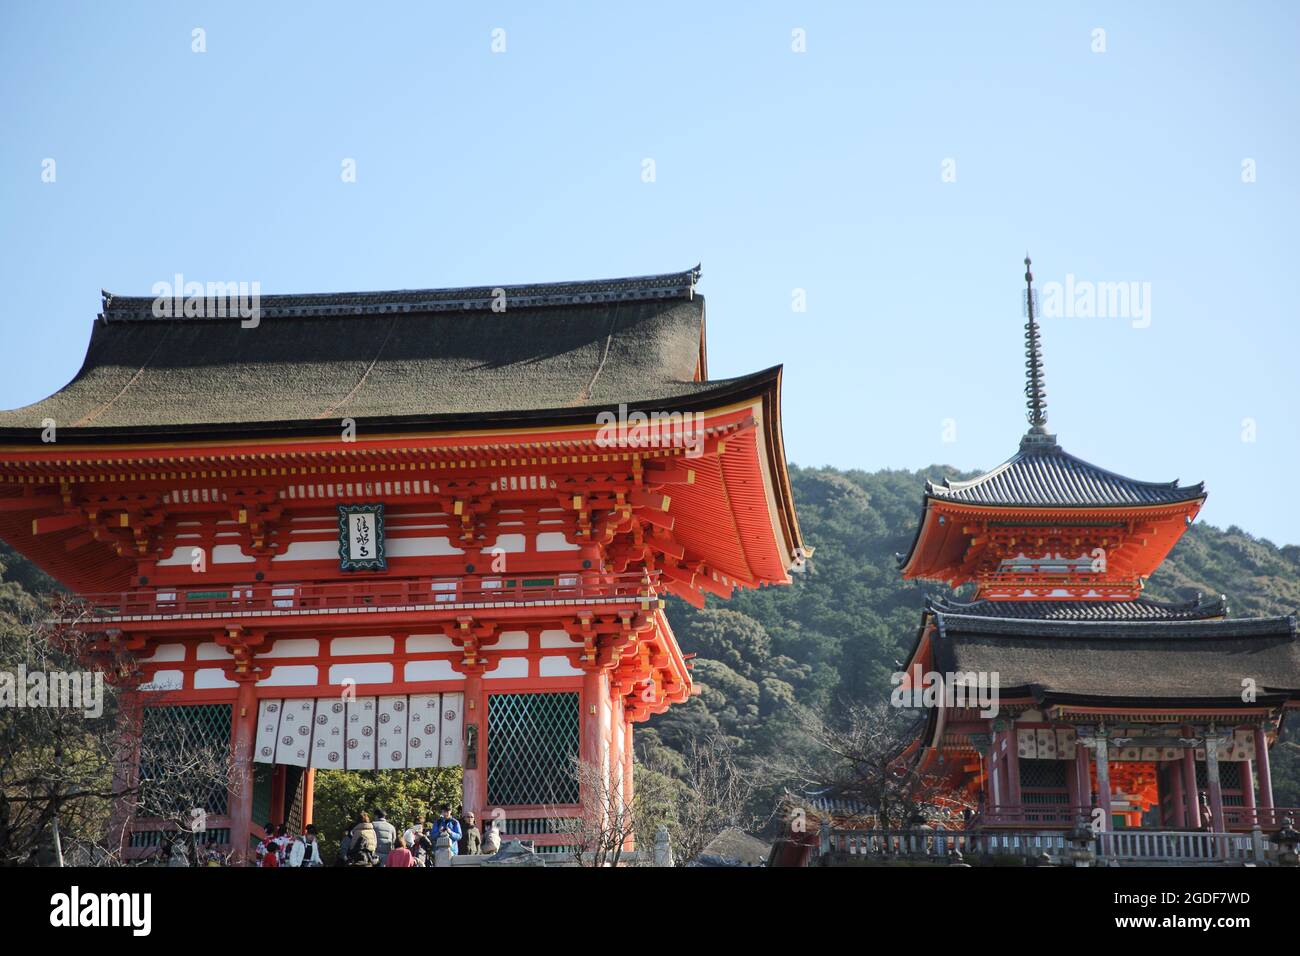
<point>1064,816</point>
<point>1076,847</point>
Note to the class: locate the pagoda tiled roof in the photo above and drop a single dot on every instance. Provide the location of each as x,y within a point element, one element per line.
<point>558,351</point>
<point>1139,609</point>
<point>1138,662</point>
<point>1044,475</point>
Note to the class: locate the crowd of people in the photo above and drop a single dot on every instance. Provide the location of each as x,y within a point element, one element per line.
<point>378,842</point>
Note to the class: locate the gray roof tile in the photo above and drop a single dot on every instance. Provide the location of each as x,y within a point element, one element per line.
<point>1140,609</point>
<point>413,356</point>
<point>1135,661</point>
<point>1042,474</point>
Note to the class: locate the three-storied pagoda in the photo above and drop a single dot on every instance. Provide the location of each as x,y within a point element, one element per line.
<point>1113,708</point>
<point>403,529</point>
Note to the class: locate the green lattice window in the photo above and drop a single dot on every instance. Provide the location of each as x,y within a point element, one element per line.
<point>1043,781</point>
<point>294,783</point>
<point>216,836</point>
<point>1230,781</point>
<point>262,787</point>
<point>184,760</point>
<point>532,746</point>
<point>1230,775</point>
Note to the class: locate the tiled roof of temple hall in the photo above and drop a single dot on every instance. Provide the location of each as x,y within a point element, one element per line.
<point>1126,660</point>
<point>517,352</point>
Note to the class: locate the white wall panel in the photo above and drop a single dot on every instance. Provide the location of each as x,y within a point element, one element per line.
<point>425,728</point>
<point>390,748</point>
<point>293,745</point>
<point>361,733</point>
<point>451,745</point>
<point>268,729</point>
<point>329,739</point>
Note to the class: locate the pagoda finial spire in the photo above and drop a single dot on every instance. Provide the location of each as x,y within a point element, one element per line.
<point>1035,383</point>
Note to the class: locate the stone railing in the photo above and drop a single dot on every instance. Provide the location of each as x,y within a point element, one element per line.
<point>523,853</point>
<point>1064,816</point>
<point>1055,848</point>
<point>1186,847</point>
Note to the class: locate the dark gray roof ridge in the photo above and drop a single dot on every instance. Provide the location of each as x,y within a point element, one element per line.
<point>671,285</point>
<point>1138,609</point>
<point>1119,630</point>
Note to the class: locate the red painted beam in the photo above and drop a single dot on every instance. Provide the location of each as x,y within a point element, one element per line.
<point>30,503</point>
<point>659,519</point>
<point>60,522</point>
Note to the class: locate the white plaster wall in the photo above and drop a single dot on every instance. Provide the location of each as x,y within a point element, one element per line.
<point>509,667</point>
<point>293,675</point>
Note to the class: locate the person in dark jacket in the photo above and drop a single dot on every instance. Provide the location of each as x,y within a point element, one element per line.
<point>491,840</point>
<point>418,843</point>
<point>471,841</point>
<point>426,841</point>
<point>385,836</point>
<point>361,849</point>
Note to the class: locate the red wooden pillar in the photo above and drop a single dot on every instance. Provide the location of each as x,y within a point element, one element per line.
<point>595,704</point>
<point>997,790</point>
<point>1082,776</point>
<point>1247,770</point>
<point>308,795</point>
<point>594,746</point>
<point>244,733</point>
<point>1176,799</point>
<point>1265,777</point>
<point>629,762</point>
<point>1190,796</point>
<point>1013,769</point>
<point>126,772</point>
<point>474,778</point>
<point>278,809</point>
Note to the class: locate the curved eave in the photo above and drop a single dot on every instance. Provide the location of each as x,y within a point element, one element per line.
<point>905,561</point>
<point>740,508</point>
<point>1185,494</point>
<point>1264,701</point>
<point>725,392</point>
<point>782,504</point>
<point>929,543</point>
<point>922,651</point>
<point>737,516</point>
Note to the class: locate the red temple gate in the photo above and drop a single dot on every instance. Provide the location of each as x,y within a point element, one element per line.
<point>395,530</point>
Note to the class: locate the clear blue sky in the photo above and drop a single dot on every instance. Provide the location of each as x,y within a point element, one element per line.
<point>777,170</point>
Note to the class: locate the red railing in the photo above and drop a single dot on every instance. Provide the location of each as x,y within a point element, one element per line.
<point>376,593</point>
<point>1053,815</point>
<point>1266,818</point>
